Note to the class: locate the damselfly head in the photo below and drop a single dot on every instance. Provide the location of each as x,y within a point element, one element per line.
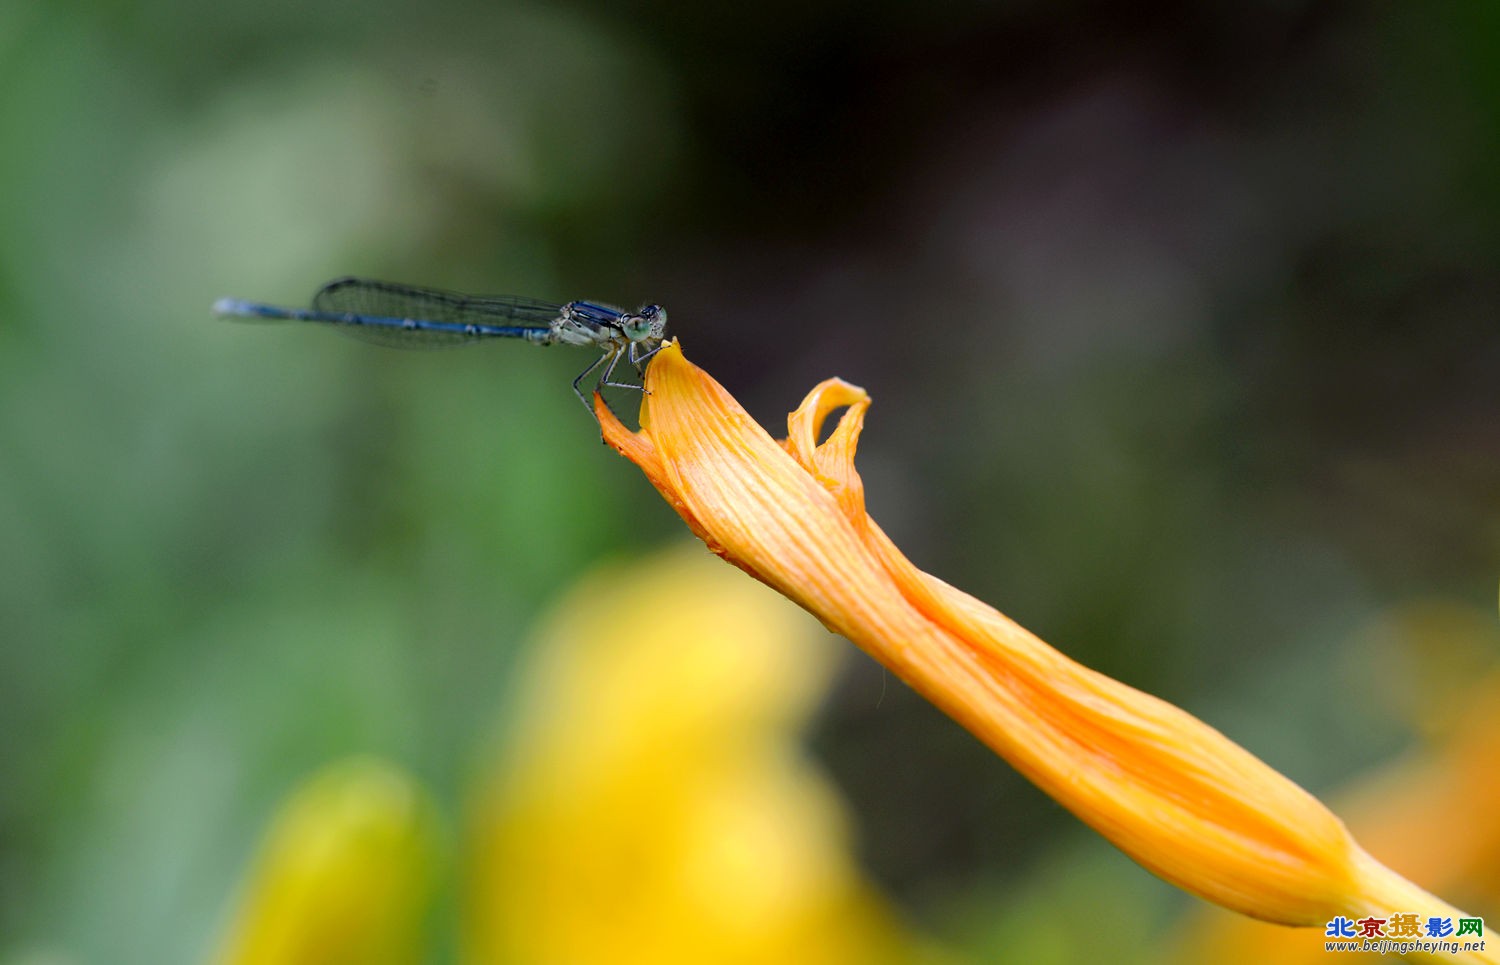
<point>647,324</point>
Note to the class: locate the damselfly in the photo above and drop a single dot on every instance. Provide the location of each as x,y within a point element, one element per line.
<point>407,316</point>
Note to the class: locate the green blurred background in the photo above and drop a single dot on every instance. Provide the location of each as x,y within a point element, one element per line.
<point>1179,320</point>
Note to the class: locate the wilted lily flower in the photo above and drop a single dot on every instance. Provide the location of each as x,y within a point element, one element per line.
<point>1173,793</point>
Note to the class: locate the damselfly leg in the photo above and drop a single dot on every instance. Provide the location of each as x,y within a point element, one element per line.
<point>610,371</point>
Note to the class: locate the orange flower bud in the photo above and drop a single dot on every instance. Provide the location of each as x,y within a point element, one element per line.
<point>1173,793</point>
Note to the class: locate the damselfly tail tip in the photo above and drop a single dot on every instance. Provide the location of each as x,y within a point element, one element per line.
<point>241,309</point>
<point>226,307</point>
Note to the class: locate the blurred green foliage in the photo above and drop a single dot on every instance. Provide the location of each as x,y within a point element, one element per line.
<point>1180,323</point>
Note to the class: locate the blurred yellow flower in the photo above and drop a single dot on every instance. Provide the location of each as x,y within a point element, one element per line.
<point>654,806</point>
<point>1170,791</point>
<point>343,876</point>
